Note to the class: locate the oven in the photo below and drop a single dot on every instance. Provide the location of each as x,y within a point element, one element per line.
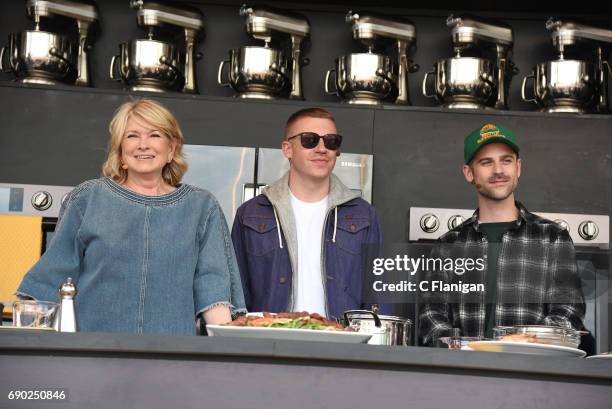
<point>28,216</point>
<point>591,236</point>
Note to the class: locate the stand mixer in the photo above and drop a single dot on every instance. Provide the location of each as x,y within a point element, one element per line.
<point>578,84</point>
<point>268,72</point>
<point>371,78</point>
<point>155,65</point>
<point>479,75</point>
<point>43,57</point>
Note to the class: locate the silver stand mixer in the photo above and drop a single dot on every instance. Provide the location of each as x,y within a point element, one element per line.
<point>479,75</point>
<point>577,81</point>
<point>270,71</point>
<point>371,78</point>
<point>43,57</point>
<point>159,66</point>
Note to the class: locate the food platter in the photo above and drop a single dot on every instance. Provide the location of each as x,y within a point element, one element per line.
<point>526,348</point>
<point>292,334</point>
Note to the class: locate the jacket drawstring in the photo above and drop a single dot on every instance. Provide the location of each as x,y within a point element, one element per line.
<point>335,224</point>
<point>278,229</point>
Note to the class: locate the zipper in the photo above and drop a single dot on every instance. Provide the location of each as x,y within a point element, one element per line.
<point>323,269</point>
<point>291,295</point>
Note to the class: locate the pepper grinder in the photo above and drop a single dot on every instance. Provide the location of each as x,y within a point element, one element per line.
<point>67,316</point>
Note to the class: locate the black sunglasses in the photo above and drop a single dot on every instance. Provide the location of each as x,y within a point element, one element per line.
<point>310,140</point>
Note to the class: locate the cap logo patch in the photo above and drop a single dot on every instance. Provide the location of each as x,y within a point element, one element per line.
<point>489,131</point>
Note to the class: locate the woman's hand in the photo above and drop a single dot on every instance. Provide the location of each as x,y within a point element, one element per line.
<point>219,314</point>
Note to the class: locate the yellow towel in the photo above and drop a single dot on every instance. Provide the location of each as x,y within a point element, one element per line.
<point>20,245</point>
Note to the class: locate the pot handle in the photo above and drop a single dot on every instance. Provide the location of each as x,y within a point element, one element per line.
<point>424,85</point>
<point>2,68</point>
<point>407,332</point>
<point>327,77</point>
<point>53,52</point>
<point>609,69</point>
<point>381,73</point>
<point>112,70</point>
<point>523,93</point>
<point>179,74</point>
<point>487,80</point>
<point>274,67</point>
<point>164,60</point>
<point>220,74</point>
<point>376,319</point>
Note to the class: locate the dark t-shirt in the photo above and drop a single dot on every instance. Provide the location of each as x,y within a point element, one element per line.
<point>494,233</point>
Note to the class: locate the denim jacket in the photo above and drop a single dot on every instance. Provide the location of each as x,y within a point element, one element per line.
<point>267,256</point>
<point>140,263</point>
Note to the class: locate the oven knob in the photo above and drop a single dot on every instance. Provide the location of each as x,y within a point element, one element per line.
<point>429,223</point>
<point>42,200</point>
<point>563,224</point>
<point>455,221</point>
<point>588,230</point>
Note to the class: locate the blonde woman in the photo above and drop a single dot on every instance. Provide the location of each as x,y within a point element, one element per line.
<point>147,252</point>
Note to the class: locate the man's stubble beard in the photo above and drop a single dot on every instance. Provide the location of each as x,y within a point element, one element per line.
<point>494,195</point>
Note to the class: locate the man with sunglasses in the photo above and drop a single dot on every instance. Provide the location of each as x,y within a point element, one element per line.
<point>528,263</point>
<point>300,243</point>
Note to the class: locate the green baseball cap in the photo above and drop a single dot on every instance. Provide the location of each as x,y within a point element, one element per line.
<point>488,133</point>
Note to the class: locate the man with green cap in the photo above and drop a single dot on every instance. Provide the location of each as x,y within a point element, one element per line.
<point>530,272</point>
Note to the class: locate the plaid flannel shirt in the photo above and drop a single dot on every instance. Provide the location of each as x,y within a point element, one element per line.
<point>537,284</point>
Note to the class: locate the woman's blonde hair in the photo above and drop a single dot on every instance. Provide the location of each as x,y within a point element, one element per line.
<point>158,116</point>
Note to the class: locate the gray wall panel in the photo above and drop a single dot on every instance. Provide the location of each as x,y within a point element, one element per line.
<point>60,136</point>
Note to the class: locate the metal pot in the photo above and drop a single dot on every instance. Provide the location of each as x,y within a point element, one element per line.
<point>562,86</point>
<point>363,78</point>
<point>462,82</point>
<point>255,72</point>
<point>40,57</point>
<point>385,329</point>
<point>148,65</point>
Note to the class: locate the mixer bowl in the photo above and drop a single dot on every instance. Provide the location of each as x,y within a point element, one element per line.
<point>256,72</point>
<point>563,85</point>
<point>42,57</point>
<point>363,78</point>
<point>462,80</point>
<point>149,65</point>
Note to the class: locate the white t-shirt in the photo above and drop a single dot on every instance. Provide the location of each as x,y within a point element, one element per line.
<point>308,286</point>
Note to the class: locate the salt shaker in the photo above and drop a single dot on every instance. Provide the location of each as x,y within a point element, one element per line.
<point>67,318</point>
